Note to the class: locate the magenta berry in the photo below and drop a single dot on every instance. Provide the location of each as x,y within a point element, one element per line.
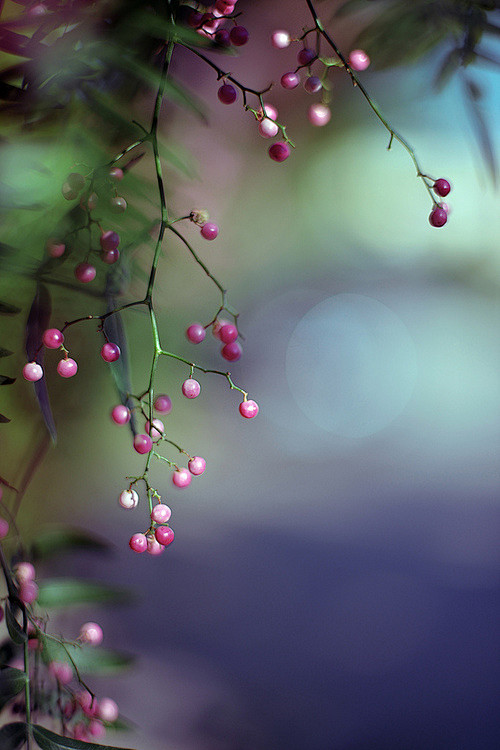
<point>442,187</point>
<point>143,443</point>
<point>161,513</point>
<point>164,535</point>
<point>163,404</point>
<point>194,19</point>
<point>157,430</point>
<point>191,388</point>
<point>109,240</point>
<point>268,128</point>
<point>231,352</point>
<point>107,709</point>
<point>62,671</point>
<point>4,528</point>
<point>280,39</point>
<point>154,546</point>
<point>209,230</point>
<point>358,59</point>
<point>217,326</point>
<point>249,409</point>
<point>52,338</point>
<point>313,84</point>
<point>279,151</point>
<point>290,80</point>
<point>222,38</point>
<point>110,256</point>
<point>120,414</point>
<point>28,592</point>
<point>181,478</point>
<point>228,333</point>
<point>116,174</point>
<point>196,333</point>
<point>118,204</point>
<point>137,543</point>
<point>91,633</point>
<point>306,56</point>
<point>239,36</point>
<point>319,114</point>
<point>55,249</point>
<point>269,111</point>
<point>227,94</point>
<point>110,352</point>
<point>438,217</point>
<point>128,499</point>
<point>96,729</point>
<point>197,465</point>
<point>85,273</point>
<point>25,572</point>
<point>32,372</point>
<point>67,368</point>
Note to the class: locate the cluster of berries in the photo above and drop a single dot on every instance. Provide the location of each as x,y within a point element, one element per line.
<point>439,214</point>
<point>208,19</point>
<point>224,331</point>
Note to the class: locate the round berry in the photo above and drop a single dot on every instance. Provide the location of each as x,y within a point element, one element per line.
<point>76,181</point>
<point>137,543</point>
<point>279,151</point>
<point>154,546</point>
<point>118,204</point>
<point>91,633</point>
<point>120,414</point>
<point>4,528</point>
<point>228,333</point>
<point>197,465</point>
<point>268,128</point>
<point>227,94</point>
<point>181,478</point>
<point>128,499</point>
<point>194,19</point>
<point>161,513</point>
<point>239,36</point>
<point>231,352</point>
<point>191,388</point>
<point>28,592</point>
<point>164,535</point>
<point>110,352</point>
<point>269,111</point>
<point>217,326</point>
<point>249,409</point>
<point>209,230</point>
<point>280,39</point>
<point>313,84</point>
<point>67,368</point>
<point>32,372</point>
<point>87,703</point>
<point>110,256</point>
<point>223,5</point>
<point>442,187</point>
<point>143,443</point>
<point>55,249</point>
<point>52,338</point>
<point>358,59</point>
<point>290,80</point>
<point>306,56</point>
<point>438,217</point>
<point>85,273</point>
<point>92,201</point>
<point>96,729</point>
<point>67,193</point>
<point>196,333</point>
<point>107,709</point>
<point>116,174</point>
<point>109,240</point>
<point>25,572</point>
<point>157,430</point>
<point>163,404</point>
<point>444,206</point>
<point>62,671</point>
<point>222,38</point>
<point>80,732</point>
<point>319,114</point>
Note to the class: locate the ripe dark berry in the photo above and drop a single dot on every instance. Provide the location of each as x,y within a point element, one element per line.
<point>228,333</point>
<point>279,151</point>
<point>110,352</point>
<point>164,535</point>
<point>222,38</point>
<point>306,56</point>
<point>239,36</point>
<point>55,249</point>
<point>110,256</point>
<point>231,352</point>
<point>85,273</point>
<point>52,338</point>
<point>118,205</point>
<point>313,84</point>
<point>109,240</point>
<point>227,94</point>
<point>442,187</point>
<point>438,217</point>
<point>194,19</point>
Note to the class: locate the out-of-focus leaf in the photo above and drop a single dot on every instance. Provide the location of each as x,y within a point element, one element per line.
<point>448,67</point>
<point>6,309</point>
<point>12,736</point>
<point>38,322</point>
<point>472,97</point>
<point>5,352</point>
<point>7,651</point>
<point>115,331</point>
<point>48,740</point>
<point>5,380</point>
<point>160,28</point>
<point>350,6</point>
<point>15,630</point>
<point>108,109</point>
<point>88,660</point>
<point>12,681</point>
<point>4,419</point>
<point>57,541</point>
<point>66,592</point>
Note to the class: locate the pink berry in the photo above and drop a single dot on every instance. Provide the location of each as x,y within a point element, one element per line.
<point>228,333</point>
<point>268,128</point>
<point>143,443</point>
<point>52,338</point>
<point>120,414</point>
<point>128,499</point>
<point>231,352</point>
<point>197,465</point>
<point>109,240</point>
<point>217,326</point>
<point>438,217</point>
<point>161,513</point>
<point>108,710</point>
<point>62,671</point>
<point>224,6</point>
<point>91,633</point>
<point>154,546</point>
<point>280,39</point>
<point>290,80</point>
<point>138,543</point>
<point>55,249</point>
<point>239,36</point>
<point>249,409</point>
<point>194,19</point>
<point>116,174</point>
<point>25,572</point>
<point>358,59</point>
<point>209,23</point>
<point>181,478</point>
<point>85,273</point>
<point>96,729</point>
<point>28,592</point>
<point>110,352</point>
<point>442,187</point>
<point>444,206</point>
<point>4,528</point>
<point>118,205</point>
<point>269,111</point>
<point>76,181</point>
<point>313,84</point>
<point>196,333</point>
<point>227,94</point>
<point>67,367</point>
<point>163,404</point>
<point>191,388</point>
<point>164,535</point>
<point>306,56</point>
<point>110,256</point>
<point>32,372</point>
<point>157,430</point>
<point>80,732</point>
<point>319,114</point>
<point>279,151</point>
<point>87,703</point>
<point>209,230</point>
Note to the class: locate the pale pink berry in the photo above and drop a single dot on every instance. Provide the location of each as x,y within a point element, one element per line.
<point>358,59</point>
<point>279,151</point>
<point>249,409</point>
<point>109,240</point>
<point>96,729</point>
<point>80,732</point>
<point>128,499</point>
<point>161,513</point>
<point>268,128</point>
<point>290,80</point>
<point>319,114</point>
<point>164,535</point>
<point>62,671</point>
<point>218,325</point>
<point>157,430</point>
<point>154,546</point>
<point>444,206</point>
<point>52,338</point>
<point>4,528</point>
<point>87,703</point>
<point>32,372</point>
<point>280,39</point>
<point>25,572</point>
<point>110,352</point>
<point>116,174</point>
<point>228,333</point>
<point>269,111</point>
<point>231,352</point>
<point>196,333</point>
<point>191,388</point>
<point>138,542</point>
<point>197,465</point>
<point>91,633</point>
<point>209,230</point>
<point>181,478</point>
<point>143,443</point>
<point>118,205</point>
<point>120,414</point>
<point>85,273</point>
<point>108,710</point>
<point>55,249</point>
<point>67,367</point>
<point>163,404</point>
<point>28,592</point>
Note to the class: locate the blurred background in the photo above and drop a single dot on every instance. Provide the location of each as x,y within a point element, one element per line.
<point>334,577</point>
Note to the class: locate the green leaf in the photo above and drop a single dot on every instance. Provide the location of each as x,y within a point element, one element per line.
<point>5,380</point>
<point>12,681</point>
<point>58,540</point>
<point>12,736</point>
<point>4,419</point>
<point>65,592</point>
<point>88,660</point>
<point>48,740</point>
<point>15,630</point>
<point>5,352</point>
<point>6,309</point>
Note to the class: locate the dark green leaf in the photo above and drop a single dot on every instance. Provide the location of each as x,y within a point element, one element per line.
<point>38,321</point>
<point>5,380</point>
<point>12,736</point>
<point>472,97</point>
<point>6,309</point>
<point>58,540</point>
<point>350,6</point>
<point>48,740</point>
<point>448,67</point>
<point>15,630</point>
<point>64,592</point>
<point>88,660</point>
<point>4,419</point>
<point>12,681</point>
<point>5,352</point>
